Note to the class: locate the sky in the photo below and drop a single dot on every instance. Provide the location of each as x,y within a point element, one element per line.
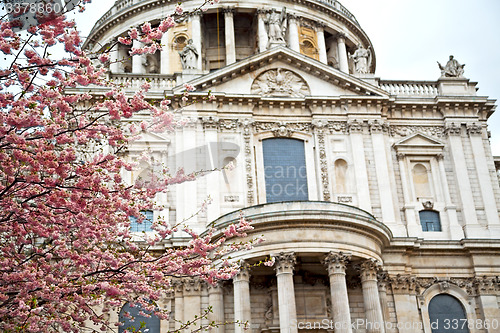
<point>410,36</point>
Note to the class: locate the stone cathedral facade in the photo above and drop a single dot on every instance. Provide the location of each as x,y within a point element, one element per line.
<point>378,200</point>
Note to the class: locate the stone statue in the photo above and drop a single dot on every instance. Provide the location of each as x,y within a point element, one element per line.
<point>276,23</point>
<point>362,60</point>
<point>452,68</point>
<point>189,56</point>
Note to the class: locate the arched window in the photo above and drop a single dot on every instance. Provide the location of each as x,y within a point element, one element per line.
<point>285,170</point>
<point>135,322</point>
<point>447,314</point>
<point>429,220</point>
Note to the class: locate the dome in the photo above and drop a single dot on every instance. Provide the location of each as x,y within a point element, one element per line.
<point>231,31</point>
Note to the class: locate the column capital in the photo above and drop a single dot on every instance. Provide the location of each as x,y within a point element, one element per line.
<point>474,129</point>
<point>228,11</point>
<point>216,288</point>
<point>369,269</point>
<point>336,262</point>
<point>192,286</point>
<point>285,262</point>
<point>355,126</point>
<point>341,35</point>
<point>244,273</point>
<point>453,129</point>
<point>378,126</point>
<point>196,14</point>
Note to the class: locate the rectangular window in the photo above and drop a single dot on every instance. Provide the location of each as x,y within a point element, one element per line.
<point>285,170</point>
<point>429,220</point>
<point>146,224</point>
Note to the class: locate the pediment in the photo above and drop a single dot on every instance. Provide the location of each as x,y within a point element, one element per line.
<point>419,143</point>
<point>149,141</point>
<point>282,72</point>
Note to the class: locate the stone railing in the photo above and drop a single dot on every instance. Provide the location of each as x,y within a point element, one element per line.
<point>157,81</point>
<point>405,88</point>
<point>122,4</point>
<point>339,8</point>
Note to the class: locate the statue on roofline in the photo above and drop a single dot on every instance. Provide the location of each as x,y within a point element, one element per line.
<point>452,68</point>
<point>362,59</point>
<point>276,26</point>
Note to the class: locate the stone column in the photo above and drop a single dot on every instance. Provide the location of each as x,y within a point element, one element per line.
<point>285,263</point>
<point>242,310</point>
<point>320,34</point>
<point>138,60</point>
<point>114,55</point>
<point>165,55</point>
<point>196,36</point>
<point>336,265</point>
<point>343,61</point>
<point>373,310</point>
<point>332,57</point>
<point>293,33</point>
<point>216,301</point>
<point>261,27</point>
<point>229,33</point>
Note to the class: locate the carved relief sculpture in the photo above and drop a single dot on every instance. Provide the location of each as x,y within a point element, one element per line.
<point>281,83</point>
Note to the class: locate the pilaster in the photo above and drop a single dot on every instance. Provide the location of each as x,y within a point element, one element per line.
<point>472,228</point>
<point>355,128</point>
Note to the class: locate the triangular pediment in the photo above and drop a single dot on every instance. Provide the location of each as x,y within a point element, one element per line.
<point>282,72</point>
<point>149,141</point>
<point>419,143</point>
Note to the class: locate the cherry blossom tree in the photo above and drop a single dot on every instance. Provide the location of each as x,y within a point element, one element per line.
<point>67,256</point>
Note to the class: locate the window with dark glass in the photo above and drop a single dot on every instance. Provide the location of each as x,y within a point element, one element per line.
<point>145,225</point>
<point>447,314</point>
<point>429,220</point>
<point>285,170</point>
<point>133,321</point>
